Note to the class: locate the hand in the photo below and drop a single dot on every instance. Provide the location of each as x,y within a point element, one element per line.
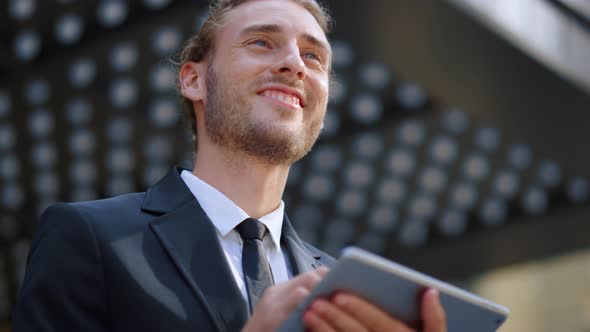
<point>347,312</point>
<point>280,300</point>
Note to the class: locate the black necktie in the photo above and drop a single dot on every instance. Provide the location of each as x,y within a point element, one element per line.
<point>257,273</point>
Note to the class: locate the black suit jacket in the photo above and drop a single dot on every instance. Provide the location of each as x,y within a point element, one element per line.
<point>139,262</point>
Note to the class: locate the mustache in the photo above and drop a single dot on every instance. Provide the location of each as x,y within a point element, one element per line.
<point>291,83</point>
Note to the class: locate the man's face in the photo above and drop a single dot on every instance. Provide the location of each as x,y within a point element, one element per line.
<point>267,81</point>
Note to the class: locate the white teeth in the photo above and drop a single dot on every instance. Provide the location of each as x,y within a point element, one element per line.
<point>281,96</point>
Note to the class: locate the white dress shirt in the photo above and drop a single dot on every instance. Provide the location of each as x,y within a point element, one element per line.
<point>225,216</point>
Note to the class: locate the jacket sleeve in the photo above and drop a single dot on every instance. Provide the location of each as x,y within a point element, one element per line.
<point>63,288</point>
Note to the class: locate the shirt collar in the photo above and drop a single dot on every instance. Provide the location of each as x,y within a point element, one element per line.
<point>225,214</point>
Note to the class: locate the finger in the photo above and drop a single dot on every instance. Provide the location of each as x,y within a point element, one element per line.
<point>322,270</point>
<point>433,314</point>
<point>368,314</point>
<point>307,280</point>
<point>294,291</point>
<point>295,297</point>
<point>335,317</point>
<point>315,323</point>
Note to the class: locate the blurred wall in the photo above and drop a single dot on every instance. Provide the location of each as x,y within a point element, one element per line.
<point>548,295</point>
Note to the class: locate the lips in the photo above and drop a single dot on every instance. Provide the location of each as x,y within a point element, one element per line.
<point>284,95</point>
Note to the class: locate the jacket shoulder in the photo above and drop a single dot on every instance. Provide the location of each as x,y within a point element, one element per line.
<point>113,204</point>
<point>60,216</point>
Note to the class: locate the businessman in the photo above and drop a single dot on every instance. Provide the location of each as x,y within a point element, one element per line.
<point>210,249</point>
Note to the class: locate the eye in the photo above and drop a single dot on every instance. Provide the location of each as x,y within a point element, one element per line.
<point>311,56</point>
<point>260,42</point>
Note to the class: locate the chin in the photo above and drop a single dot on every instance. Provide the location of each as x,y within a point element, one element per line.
<point>285,128</point>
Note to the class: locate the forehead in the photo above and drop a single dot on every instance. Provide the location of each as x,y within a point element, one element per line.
<point>287,14</point>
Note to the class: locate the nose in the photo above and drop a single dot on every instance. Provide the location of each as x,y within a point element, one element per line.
<point>291,63</point>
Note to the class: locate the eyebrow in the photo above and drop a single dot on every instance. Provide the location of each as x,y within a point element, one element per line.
<point>274,28</point>
<point>268,28</point>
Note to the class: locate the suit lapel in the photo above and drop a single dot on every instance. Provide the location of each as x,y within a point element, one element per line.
<point>189,238</point>
<point>303,260</point>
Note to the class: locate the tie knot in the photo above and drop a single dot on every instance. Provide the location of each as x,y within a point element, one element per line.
<point>251,229</point>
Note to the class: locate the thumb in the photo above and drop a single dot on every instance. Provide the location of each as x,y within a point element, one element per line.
<point>433,314</point>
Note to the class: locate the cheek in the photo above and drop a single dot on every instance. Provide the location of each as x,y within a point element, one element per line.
<point>247,77</point>
<point>320,87</point>
<point>243,64</point>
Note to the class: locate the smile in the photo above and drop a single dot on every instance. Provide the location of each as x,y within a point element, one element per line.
<point>283,97</point>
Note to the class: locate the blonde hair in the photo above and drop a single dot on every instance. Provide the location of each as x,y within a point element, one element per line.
<point>201,45</point>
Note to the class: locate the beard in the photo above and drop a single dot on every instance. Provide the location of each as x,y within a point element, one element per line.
<point>230,124</point>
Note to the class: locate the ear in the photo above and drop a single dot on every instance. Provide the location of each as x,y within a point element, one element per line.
<point>192,81</point>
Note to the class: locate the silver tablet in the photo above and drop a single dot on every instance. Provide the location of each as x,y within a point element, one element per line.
<point>397,290</point>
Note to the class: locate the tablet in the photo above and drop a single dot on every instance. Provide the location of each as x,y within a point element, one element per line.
<point>398,290</point>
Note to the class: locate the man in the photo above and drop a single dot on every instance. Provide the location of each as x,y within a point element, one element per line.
<point>175,258</point>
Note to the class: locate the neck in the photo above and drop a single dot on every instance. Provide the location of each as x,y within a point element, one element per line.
<point>255,187</point>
